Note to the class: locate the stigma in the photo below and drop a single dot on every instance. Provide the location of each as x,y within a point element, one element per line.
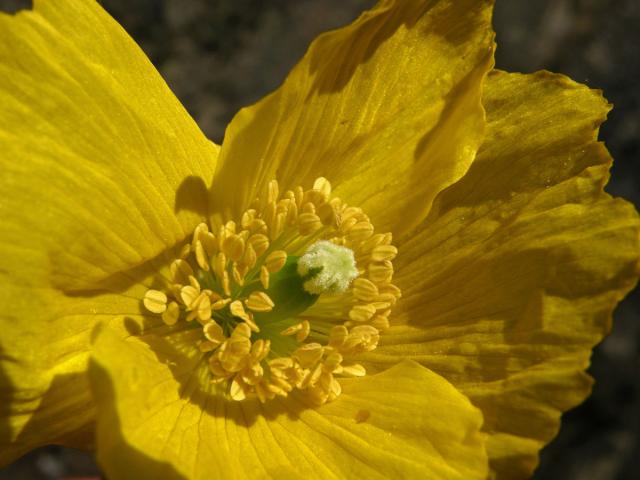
<point>331,268</point>
<point>287,296</point>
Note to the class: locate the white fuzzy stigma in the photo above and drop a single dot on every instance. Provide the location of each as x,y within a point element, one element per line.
<point>336,265</point>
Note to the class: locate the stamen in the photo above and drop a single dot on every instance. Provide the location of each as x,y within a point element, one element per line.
<point>259,302</point>
<point>237,310</point>
<point>383,253</point>
<point>171,314</point>
<point>214,333</point>
<point>264,277</point>
<point>259,242</point>
<point>275,261</point>
<point>355,370</point>
<point>181,271</point>
<point>308,222</point>
<point>155,301</point>
<point>308,354</point>
<point>362,313</point>
<point>302,260</point>
<point>300,330</point>
<point>365,290</point>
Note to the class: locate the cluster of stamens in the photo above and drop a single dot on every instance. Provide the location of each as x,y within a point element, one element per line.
<point>225,280</point>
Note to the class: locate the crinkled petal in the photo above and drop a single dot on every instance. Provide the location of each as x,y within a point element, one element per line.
<point>96,152</point>
<point>44,393</point>
<point>404,423</point>
<point>100,167</point>
<point>387,108</point>
<point>512,279</point>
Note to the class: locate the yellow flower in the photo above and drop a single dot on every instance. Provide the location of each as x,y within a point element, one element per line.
<point>150,300</point>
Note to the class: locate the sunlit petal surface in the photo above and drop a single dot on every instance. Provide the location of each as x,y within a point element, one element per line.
<point>513,277</point>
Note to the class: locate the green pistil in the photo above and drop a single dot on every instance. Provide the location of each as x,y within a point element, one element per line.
<point>286,289</point>
<point>324,268</point>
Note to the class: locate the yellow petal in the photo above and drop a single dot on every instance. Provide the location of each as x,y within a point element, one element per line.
<point>387,109</point>
<point>41,406</point>
<point>44,394</point>
<point>512,279</point>
<point>404,423</point>
<point>100,163</point>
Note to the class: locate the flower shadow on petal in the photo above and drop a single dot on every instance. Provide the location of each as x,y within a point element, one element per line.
<point>378,27</point>
<point>6,391</point>
<point>177,348</point>
<point>133,464</point>
<point>192,196</point>
<point>328,120</point>
<point>73,269</point>
<point>47,423</point>
<point>44,394</point>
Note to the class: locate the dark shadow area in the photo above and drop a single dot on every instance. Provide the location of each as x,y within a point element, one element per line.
<point>375,29</point>
<point>65,407</point>
<point>118,458</point>
<point>14,6</point>
<point>6,394</point>
<point>120,282</point>
<point>372,31</point>
<point>192,195</point>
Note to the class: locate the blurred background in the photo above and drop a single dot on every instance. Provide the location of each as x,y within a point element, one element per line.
<point>219,55</point>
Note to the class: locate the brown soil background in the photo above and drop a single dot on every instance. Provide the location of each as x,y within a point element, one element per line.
<point>220,55</point>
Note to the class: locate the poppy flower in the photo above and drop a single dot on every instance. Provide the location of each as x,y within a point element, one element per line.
<point>394,266</point>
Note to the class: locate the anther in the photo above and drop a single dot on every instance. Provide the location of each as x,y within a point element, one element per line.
<point>264,277</point>
<point>308,223</point>
<point>181,271</point>
<point>259,302</point>
<point>275,260</point>
<point>300,330</point>
<point>171,314</point>
<point>155,301</point>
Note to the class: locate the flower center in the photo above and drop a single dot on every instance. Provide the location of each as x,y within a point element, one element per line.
<point>288,297</point>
